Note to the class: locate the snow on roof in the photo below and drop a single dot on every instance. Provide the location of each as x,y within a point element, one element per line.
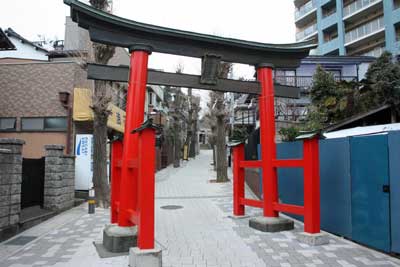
<point>365,130</point>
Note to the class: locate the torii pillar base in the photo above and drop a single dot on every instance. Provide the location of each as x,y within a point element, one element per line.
<point>145,257</point>
<point>117,239</point>
<point>271,224</point>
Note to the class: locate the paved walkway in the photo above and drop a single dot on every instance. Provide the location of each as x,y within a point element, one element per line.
<point>198,234</point>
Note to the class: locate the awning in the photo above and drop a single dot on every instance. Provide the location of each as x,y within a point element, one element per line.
<point>83,112</point>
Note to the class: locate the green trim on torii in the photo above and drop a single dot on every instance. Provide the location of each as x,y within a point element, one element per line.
<point>113,30</point>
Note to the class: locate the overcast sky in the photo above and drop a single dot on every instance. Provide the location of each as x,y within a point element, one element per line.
<point>270,21</point>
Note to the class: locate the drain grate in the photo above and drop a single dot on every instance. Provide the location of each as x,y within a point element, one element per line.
<point>171,207</point>
<point>21,240</point>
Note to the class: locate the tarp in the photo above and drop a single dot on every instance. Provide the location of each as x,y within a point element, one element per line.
<point>364,130</point>
<point>83,112</point>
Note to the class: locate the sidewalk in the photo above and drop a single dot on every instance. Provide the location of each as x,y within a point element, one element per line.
<point>198,234</point>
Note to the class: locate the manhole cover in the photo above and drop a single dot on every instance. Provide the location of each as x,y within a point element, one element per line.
<point>21,240</point>
<point>171,207</point>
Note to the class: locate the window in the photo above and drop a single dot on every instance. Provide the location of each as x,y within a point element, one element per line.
<point>32,124</point>
<point>7,124</point>
<point>44,124</point>
<point>55,123</point>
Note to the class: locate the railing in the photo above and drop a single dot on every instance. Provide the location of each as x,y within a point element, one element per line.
<point>304,9</point>
<point>245,117</point>
<point>365,29</point>
<point>306,32</point>
<point>356,6</point>
<point>376,52</point>
<point>305,82</point>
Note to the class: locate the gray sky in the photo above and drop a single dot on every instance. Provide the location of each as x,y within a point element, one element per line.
<point>270,21</point>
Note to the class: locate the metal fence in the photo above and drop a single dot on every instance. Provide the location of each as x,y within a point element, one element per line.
<point>306,82</point>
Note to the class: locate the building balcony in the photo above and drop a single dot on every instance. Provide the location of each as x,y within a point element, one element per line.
<point>366,32</point>
<point>396,16</point>
<point>329,21</point>
<point>329,46</point>
<point>359,8</point>
<point>306,13</point>
<point>307,33</point>
<point>305,82</point>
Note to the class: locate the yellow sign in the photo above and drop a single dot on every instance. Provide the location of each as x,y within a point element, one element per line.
<point>83,112</point>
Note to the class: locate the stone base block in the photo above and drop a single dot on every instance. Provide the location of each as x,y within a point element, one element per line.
<point>271,224</point>
<point>145,257</point>
<point>313,239</point>
<point>118,239</point>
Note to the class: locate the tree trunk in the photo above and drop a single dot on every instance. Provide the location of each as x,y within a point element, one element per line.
<point>393,114</point>
<point>213,163</point>
<point>101,113</point>
<point>177,145</point>
<point>102,54</point>
<point>194,142</point>
<point>190,124</point>
<point>222,172</point>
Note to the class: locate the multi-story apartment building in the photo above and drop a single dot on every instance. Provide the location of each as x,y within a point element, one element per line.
<point>349,27</point>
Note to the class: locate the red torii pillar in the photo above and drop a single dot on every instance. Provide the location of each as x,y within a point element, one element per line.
<point>270,221</point>
<point>134,118</point>
<point>132,165</point>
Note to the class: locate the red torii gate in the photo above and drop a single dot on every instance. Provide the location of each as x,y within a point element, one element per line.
<point>132,162</point>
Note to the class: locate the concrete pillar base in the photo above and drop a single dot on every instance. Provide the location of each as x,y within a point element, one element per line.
<point>271,224</point>
<point>145,257</point>
<point>119,239</point>
<point>313,239</point>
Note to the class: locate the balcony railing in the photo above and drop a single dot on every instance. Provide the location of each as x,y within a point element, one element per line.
<point>376,52</point>
<point>304,9</point>
<point>356,6</point>
<point>306,32</point>
<point>305,82</point>
<point>364,30</point>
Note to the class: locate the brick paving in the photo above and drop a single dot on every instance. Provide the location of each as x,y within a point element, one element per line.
<point>201,233</point>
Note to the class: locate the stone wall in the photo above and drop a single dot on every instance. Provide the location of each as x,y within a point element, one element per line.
<point>10,185</point>
<point>59,179</point>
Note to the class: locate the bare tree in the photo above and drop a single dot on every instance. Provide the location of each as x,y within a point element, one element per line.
<point>195,106</point>
<point>218,118</point>
<point>101,99</point>
<point>189,131</point>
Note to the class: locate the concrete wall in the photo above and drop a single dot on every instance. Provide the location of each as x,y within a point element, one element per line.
<point>59,179</point>
<point>10,185</point>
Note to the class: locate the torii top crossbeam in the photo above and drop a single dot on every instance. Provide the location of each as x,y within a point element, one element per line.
<point>113,30</point>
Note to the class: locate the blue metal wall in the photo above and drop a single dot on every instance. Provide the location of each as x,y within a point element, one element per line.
<point>290,180</point>
<point>370,217</point>
<point>394,168</point>
<point>336,184</point>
